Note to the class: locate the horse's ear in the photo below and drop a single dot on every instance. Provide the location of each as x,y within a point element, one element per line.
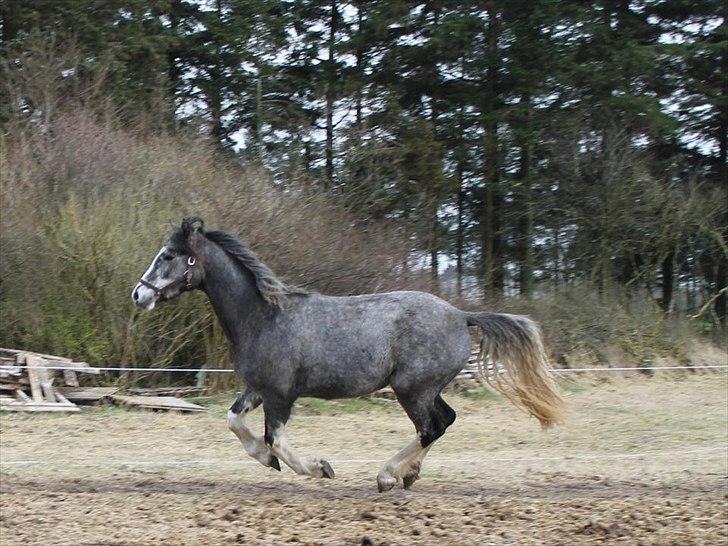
<point>192,225</point>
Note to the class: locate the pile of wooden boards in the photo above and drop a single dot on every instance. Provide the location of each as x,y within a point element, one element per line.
<point>28,381</point>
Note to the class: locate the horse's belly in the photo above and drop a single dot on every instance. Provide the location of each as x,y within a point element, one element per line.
<point>344,380</point>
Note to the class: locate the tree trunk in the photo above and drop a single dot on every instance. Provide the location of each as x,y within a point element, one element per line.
<point>460,233</point>
<point>434,254</point>
<point>10,17</point>
<point>258,124</point>
<point>215,104</point>
<point>721,302</point>
<point>667,271</point>
<point>525,218</point>
<point>556,255</point>
<point>330,95</point>
<point>173,71</point>
<point>491,251</point>
<point>359,64</point>
<point>214,94</point>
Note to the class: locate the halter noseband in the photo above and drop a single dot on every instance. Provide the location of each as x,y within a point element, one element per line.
<point>186,279</point>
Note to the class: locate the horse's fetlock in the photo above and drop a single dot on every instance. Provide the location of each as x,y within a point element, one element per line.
<point>232,420</point>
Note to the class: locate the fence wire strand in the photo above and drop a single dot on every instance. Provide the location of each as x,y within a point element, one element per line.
<point>225,370</point>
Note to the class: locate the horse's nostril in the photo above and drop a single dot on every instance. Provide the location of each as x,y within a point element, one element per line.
<point>135,295</point>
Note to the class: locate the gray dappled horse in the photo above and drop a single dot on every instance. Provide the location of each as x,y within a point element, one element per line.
<point>287,342</point>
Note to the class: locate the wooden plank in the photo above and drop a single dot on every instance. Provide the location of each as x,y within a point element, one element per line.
<point>78,367</point>
<point>37,407</point>
<point>10,385</point>
<point>90,394</point>
<point>35,388</point>
<point>8,370</point>
<point>157,402</point>
<point>22,396</point>
<point>63,400</point>
<point>70,378</point>
<point>46,385</point>
<point>166,391</point>
<point>41,355</point>
<point>52,360</point>
<point>169,409</point>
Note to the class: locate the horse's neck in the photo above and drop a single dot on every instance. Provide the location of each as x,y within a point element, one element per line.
<point>236,300</point>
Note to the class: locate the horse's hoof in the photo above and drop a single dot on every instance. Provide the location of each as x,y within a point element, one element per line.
<point>273,462</point>
<point>385,482</point>
<point>326,470</point>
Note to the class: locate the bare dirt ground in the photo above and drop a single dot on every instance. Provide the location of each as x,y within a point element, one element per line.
<point>640,461</point>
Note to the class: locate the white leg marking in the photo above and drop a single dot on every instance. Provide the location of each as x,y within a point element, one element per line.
<point>253,445</point>
<point>317,468</point>
<point>397,466</point>
<point>410,471</point>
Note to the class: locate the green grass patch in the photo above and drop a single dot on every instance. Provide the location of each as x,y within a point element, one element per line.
<point>480,394</point>
<point>573,387</point>
<point>316,406</point>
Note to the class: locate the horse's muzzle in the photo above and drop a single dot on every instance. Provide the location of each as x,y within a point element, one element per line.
<point>144,297</point>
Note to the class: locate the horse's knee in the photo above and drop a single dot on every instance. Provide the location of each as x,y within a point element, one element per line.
<point>247,401</point>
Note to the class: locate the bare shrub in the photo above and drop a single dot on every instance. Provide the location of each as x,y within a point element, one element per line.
<point>599,327</point>
<point>86,205</point>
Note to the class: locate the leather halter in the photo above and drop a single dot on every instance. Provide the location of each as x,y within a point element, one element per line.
<point>185,279</point>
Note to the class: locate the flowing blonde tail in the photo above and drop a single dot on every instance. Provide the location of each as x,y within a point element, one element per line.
<point>514,342</point>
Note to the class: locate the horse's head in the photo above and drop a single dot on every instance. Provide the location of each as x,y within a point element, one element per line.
<point>176,268</point>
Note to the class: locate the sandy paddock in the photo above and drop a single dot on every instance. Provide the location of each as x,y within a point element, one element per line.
<point>640,461</point>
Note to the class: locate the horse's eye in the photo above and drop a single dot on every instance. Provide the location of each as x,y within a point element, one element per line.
<point>168,257</point>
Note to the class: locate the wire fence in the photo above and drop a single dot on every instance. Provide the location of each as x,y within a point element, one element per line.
<point>225,370</point>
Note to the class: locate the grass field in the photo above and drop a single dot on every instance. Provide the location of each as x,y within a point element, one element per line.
<point>640,460</point>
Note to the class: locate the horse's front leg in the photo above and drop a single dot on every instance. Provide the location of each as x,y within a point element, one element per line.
<point>276,417</point>
<point>253,445</point>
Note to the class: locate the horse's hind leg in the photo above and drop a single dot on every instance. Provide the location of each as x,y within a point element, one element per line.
<point>253,445</point>
<point>431,417</point>
<point>276,417</point>
<point>414,465</point>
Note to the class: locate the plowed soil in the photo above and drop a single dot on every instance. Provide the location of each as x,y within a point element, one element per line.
<point>640,461</point>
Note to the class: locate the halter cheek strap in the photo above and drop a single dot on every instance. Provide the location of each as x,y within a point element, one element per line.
<point>186,279</point>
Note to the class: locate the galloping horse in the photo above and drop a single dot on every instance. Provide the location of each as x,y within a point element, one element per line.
<point>287,342</point>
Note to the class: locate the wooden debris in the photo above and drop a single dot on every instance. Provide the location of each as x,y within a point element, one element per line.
<point>86,394</point>
<point>12,385</point>
<point>157,403</point>
<point>29,383</point>
<point>23,397</point>
<point>23,372</point>
<point>167,391</point>
<point>70,377</point>
<point>38,406</point>
<point>34,378</point>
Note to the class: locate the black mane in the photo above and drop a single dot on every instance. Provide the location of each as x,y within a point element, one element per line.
<point>271,288</point>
